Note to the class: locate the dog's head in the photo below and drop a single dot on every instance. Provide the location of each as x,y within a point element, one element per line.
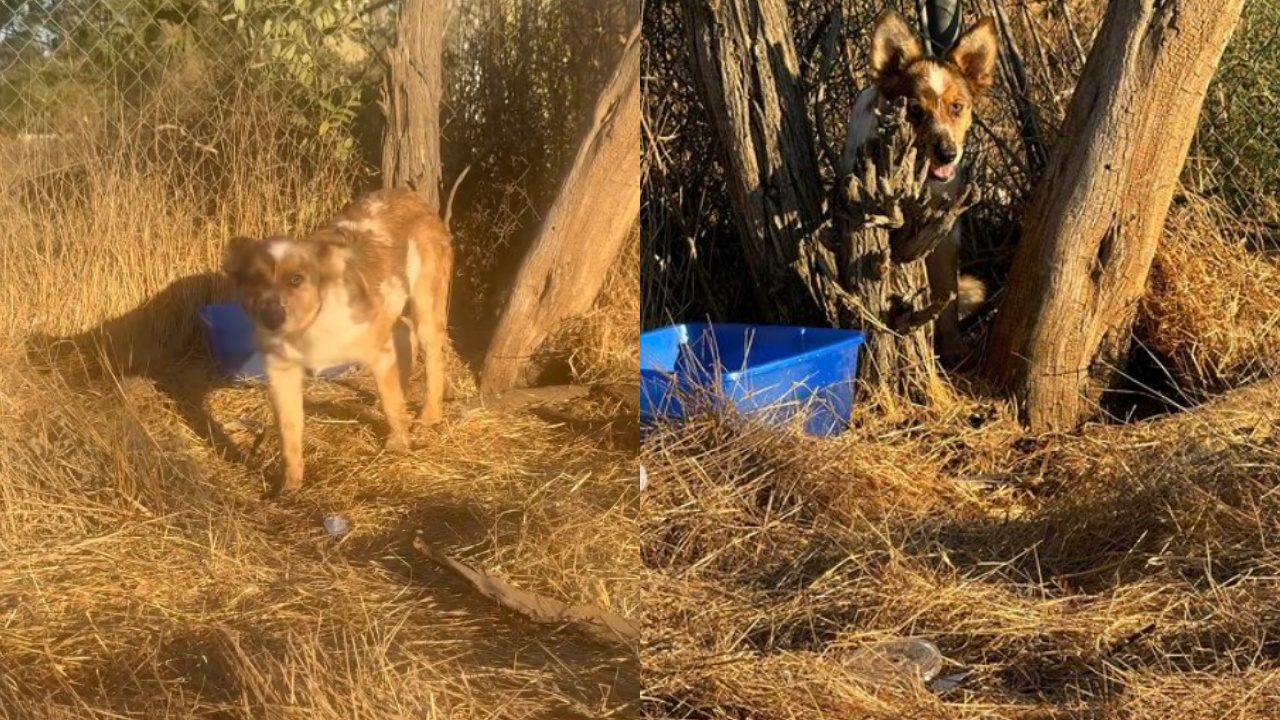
<point>940,92</point>
<point>280,280</point>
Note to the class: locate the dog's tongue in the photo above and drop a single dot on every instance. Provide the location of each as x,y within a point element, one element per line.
<point>943,172</point>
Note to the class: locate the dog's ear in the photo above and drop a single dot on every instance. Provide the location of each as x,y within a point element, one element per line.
<point>236,256</point>
<point>974,53</point>
<point>894,46</point>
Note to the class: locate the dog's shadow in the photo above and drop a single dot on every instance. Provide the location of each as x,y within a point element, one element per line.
<point>160,340</point>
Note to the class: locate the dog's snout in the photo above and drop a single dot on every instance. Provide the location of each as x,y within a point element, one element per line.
<point>272,315</point>
<point>946,152</point>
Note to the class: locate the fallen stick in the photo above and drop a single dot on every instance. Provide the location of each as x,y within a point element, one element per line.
<point>521,398</point>
<point>596,622</point>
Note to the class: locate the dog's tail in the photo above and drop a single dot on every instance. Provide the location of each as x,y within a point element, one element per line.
<point>972,293</point>
<point>448,207</point>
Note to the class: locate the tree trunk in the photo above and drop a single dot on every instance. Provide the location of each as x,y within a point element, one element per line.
<point>597,208</point>
<point>415,81</point>
<point>745,64</point>
<point>1063,329</point>
<point>888,222</point>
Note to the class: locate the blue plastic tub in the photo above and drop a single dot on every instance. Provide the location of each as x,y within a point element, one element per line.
<point>228,332</point>
<point>767,371</point>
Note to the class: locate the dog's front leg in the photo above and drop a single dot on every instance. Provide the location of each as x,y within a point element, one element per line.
<point>386,374</point>
<point>285,391</point>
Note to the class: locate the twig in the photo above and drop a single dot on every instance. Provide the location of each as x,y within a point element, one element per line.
<point>597,622</point>
<point>909,323</point>
<point>1071,31</point>
<point>448,210</point>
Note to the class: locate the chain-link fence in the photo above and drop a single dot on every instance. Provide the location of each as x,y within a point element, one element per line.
<point>185,88</point>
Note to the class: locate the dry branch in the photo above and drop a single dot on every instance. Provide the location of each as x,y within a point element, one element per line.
<point>520,398</point>
<point>596,622</point>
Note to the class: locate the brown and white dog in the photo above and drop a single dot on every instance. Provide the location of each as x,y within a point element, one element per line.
<point>940,93</point>
<point>334,297</point>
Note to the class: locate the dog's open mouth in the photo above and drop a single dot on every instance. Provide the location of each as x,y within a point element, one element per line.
<point>942,172</point>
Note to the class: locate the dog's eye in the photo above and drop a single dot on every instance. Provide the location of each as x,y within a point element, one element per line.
<point>957,108</point>
<point>914,112</point>
<point>296,279</point>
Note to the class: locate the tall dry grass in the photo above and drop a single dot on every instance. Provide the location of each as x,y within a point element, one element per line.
<point>144,576</point>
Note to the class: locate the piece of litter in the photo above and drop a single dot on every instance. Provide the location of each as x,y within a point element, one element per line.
<point>644,478</point>
<point>335,525</point>
<point>950,682</point>
<point>897,659</point>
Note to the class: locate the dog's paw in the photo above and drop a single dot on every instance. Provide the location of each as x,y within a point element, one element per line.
<point>289,485</point>
<point>398,443</point>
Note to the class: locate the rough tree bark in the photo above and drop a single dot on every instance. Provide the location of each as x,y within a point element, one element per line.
<point>745,64</point>
<point>888,222</point>
<point>411,103</point>
<point>597,207</point>
<point>1064,324</point>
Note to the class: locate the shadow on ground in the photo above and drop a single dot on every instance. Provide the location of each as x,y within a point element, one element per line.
<point>155,341</point>
<point>161,341</point>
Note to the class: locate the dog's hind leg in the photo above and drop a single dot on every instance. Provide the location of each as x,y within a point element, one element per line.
<point>429,307</point>
<point>430,311</point>
<point>385,367</point>
<point>403,335</point>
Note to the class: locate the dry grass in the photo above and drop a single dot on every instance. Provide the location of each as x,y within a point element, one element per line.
<point>603,345</point>
<point>144,576</point>
<point>1119,573</point>
<point>1213,309</point>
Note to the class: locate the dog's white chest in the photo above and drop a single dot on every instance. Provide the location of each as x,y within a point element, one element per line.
<point>332,339</point>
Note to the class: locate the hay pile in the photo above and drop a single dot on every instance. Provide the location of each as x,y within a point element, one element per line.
<point>1120,573</point>
<point>1212,309</point>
